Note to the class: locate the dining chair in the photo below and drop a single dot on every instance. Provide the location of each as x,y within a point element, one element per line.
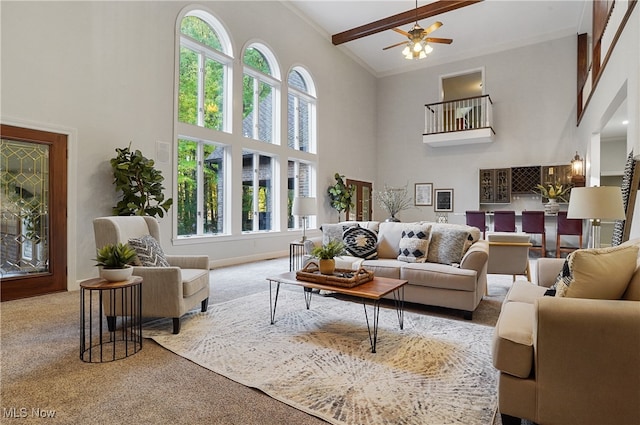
<point>477,219</point>
<point>567,227</point>
<point>533,224</point>
<point>504,221</point>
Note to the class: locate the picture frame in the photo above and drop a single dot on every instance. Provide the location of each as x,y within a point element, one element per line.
<point>443,200</point>
<point>423,194</point>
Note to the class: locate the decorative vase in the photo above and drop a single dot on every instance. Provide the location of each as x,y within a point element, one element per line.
<point>327,266</point>
<point>393,219</point>
<point>116,275</point>
<point>552,207</point>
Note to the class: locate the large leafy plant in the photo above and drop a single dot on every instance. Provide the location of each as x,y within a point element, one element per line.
<point>340,194</point>
<point>140,184</point>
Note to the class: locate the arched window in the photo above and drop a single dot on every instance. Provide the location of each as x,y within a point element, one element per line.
<point>204,100</point>
<point>205,62</point>
<point>301,108</point>
<point>260,95</point>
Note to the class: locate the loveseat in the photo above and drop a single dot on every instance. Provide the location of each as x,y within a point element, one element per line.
<point>445,264</point>
<point>573,359</point>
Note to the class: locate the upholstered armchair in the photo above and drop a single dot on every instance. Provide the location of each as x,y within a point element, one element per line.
<point>169,290</point>
<point>509,254</point>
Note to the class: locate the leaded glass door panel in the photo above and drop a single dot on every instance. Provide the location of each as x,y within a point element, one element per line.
<point>32,212</point>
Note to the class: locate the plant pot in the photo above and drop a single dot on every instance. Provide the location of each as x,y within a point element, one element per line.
<point>552,207</point>
<point>327,266</point>
<point>392,219</point>
<point>116,275</point>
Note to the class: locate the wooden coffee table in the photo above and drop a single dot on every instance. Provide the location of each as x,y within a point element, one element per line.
<point>372,291</point>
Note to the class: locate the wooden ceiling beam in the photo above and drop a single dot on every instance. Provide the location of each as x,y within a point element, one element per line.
<point>423,12</point>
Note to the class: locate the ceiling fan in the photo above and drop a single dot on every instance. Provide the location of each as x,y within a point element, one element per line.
<point>418,46</point>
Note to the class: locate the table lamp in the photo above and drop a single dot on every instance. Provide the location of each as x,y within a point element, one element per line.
<point>595,204</point>
<point>304,207</point>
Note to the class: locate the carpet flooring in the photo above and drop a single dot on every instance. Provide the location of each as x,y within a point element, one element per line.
<point>40,366</point>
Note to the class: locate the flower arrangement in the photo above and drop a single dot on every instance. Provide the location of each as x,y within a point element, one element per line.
<point>553,191</point>
<point>394,200</point>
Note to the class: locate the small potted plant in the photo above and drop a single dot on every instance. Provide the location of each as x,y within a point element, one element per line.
<point>326,255</point>
<point>553,193</point>
<point>115,261</point>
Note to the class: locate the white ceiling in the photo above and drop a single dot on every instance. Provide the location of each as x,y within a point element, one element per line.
<point>476,30</point>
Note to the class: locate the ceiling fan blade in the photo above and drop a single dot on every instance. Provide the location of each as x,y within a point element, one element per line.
<point>394,45</point>
<point>439,40</point>
<point>422,12</point>
<point>432,27</point>
<point>403,32</point>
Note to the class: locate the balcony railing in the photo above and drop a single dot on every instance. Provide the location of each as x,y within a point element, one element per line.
<point>471,113</point>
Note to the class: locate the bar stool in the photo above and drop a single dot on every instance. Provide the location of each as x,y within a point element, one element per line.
<point>477,219</point>
<point>533,223</point>
<point>504,221</point>
<point>568,227</point>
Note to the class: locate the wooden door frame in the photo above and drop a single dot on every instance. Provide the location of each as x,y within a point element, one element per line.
<point>359,185</point>
<point>55,279</point>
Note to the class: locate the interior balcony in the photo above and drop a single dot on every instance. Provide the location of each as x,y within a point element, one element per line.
<point>459,122</point>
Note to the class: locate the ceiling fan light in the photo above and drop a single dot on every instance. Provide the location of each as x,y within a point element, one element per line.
<point>417,47</point>
<point>422,55</point>
<point>428,49</point>
<point>407,50</point>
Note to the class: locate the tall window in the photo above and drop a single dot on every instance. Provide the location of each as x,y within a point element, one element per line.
<point>200,188</point>
<point>260,94</point>
<point>299,183</point>
<point>257,191</point>
<point>204,100</point>
<point>300,111</point>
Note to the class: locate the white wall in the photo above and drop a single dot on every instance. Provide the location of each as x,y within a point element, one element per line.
<point>534,94</point>
<point>105,70</point>
<point>619,81</point>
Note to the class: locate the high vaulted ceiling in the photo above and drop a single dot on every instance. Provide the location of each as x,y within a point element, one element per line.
<point>478,29</point>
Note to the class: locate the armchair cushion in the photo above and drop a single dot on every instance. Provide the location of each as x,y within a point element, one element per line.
<point>149,252</point>
<point>597,273</point>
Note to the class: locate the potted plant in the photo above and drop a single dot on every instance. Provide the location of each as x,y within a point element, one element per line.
<point>394,200</point>
<point>115,261</point>
<point>553,192</point>
<point>326,255</point>
<point>341,195</point>
<point>140,184</point>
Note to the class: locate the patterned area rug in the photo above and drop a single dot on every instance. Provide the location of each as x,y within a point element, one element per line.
<point>435,371</point>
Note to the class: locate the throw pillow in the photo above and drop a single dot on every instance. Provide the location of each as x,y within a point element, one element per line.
<point>332,232</point>
<point>448,245</point>
<point>361,242</point>
<point>602,273</point>
<point>414,244</point>
<point>149,252</point>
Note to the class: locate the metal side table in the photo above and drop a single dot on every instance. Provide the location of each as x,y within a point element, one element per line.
<point>102,338</point>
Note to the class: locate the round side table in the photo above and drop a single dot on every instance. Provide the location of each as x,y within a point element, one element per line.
<point>101,302</point>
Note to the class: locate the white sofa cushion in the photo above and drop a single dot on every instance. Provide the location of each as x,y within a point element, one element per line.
<point>414,244</point>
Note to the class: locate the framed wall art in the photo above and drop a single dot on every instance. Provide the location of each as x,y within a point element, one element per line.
<point>423,194</point>
<point>443,200</point>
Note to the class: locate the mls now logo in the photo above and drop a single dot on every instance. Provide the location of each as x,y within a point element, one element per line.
<point>23,412</point>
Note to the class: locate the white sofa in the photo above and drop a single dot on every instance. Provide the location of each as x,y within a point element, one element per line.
<point>572,359</point>
<point>459,285</point>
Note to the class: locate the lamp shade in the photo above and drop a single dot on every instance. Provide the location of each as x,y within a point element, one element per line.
<point>604,203</point>
<point>304,207</point>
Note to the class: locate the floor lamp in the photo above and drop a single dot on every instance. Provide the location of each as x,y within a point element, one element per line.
<point>595,204</point>
<point>304,207</point>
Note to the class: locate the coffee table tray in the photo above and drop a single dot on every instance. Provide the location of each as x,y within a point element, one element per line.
<point>345,278</point>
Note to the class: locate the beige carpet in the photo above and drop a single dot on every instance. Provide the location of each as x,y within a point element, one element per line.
<point>435,371</point>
